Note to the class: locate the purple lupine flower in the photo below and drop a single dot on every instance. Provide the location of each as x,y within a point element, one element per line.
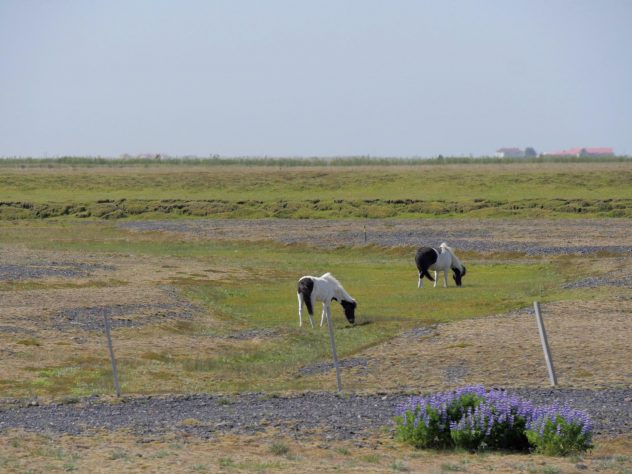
<point>486,410</point>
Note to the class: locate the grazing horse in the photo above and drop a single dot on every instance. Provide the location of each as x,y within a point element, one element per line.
<point>325,289</point>
<point>441,260</point>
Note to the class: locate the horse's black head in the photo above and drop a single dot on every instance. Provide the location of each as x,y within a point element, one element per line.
<point>349,307</point>
<point>458,275</point>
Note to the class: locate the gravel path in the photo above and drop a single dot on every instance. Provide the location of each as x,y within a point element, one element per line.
<point>594,282</point>
<point>34,270</point>
<point>121,315</point>
<point>530,237</point>
<point>332,416</point>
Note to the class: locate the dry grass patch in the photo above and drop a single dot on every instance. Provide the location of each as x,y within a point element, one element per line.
<point>271,452</point>
<point>51,328</point>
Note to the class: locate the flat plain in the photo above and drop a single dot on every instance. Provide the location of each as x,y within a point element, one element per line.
<point>205,304</point>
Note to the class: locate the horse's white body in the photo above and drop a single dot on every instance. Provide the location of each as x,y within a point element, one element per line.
<point>326,288</point>
<point>446,260</point>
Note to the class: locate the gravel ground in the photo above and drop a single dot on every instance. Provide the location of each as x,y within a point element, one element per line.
<point>594,282</point>
<point>531,237</point>
<point>121,315</point>
<point>30,271</point>
<point>322,367</point>
<point>332,416</point>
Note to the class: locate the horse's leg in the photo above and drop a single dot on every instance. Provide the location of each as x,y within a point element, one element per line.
<point>300,309</point>
<point>445,278</point>
<point>324,315</point>
<point>435,281</point>
<point>311,318</point>
<point>420,284</point>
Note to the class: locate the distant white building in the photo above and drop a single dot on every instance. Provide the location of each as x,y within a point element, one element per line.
<point>509,153</point>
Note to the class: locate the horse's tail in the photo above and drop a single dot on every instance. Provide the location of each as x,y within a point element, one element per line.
<point>424,273</point>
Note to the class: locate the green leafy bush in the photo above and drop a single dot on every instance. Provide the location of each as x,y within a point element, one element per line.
<point>473,418</point>
<point>559,431</point>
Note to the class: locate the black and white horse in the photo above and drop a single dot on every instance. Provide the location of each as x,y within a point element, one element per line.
<point>325,289</point>
<point>441,260</point>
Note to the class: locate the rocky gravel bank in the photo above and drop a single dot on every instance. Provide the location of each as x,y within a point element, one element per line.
<point>330,415</point>
<point>530,237</point>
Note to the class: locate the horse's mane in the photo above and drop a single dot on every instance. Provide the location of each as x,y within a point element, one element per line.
<point>456,260</point>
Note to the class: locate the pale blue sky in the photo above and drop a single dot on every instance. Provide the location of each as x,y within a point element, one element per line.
<point>317,78</point>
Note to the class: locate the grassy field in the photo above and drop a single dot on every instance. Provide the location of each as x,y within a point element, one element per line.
<point>256,291</point>
<point>239,286</point>
<point>547,189</point>
<point>242,333</point>
<point>250,286</point>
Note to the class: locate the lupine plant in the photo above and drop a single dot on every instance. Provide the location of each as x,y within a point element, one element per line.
<point>473,418</point>
<point>559,430</point>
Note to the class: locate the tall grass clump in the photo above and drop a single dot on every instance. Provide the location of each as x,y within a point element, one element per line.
<point>473,418</point>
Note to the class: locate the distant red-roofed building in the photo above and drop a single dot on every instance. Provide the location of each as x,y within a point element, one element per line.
<point>595,152</point>
<point>603,151</point>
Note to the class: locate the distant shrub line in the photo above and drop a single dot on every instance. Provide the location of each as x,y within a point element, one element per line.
<point>473,418</point>
<point>70,161</point>
<point>315,208</point>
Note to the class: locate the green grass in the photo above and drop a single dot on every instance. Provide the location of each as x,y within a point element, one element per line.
<point>235,184</point>
<point>263,296</point>
<point>389,302</point>
<point>548,189</point>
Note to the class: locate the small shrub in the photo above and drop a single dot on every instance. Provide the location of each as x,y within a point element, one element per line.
<point>475,419</point>
<point>372,458</point>
<point>118,454</point>
<point>399,466</point>
<point>226,462</point>
<point>29,342</point>
<point>279,449</point>
<point>451,467</point>
<point>559,431</point>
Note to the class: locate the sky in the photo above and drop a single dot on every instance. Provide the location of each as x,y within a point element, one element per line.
<point>397,78</point>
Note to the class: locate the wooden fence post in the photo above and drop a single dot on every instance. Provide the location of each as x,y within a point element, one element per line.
<point>108,334</point>
<point>330,325</point>
<point>545,344</point>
